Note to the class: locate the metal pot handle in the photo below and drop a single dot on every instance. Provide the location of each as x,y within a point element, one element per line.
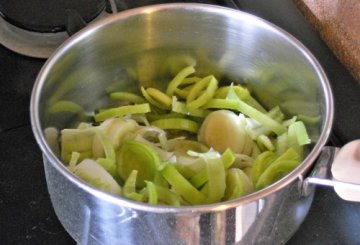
<point>339,168</point>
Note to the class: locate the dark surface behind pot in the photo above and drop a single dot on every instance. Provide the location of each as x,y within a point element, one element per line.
<point>26,214</point>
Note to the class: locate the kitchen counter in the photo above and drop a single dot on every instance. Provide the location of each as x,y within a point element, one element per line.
<point>26,214</point>
<point>338,23</point>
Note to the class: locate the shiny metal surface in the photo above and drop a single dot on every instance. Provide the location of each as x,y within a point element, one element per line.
<point>93,220</point>
<point>322,175</point>
<point>145,45</point>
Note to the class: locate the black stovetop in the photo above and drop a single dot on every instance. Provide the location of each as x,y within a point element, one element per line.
<point>26,214</point>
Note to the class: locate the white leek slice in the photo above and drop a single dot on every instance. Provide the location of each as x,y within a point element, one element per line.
<point>222,129</point>
<point>117,128</point>
<point>151,133</point>
<point>94,174</point>
<point>78,140</point>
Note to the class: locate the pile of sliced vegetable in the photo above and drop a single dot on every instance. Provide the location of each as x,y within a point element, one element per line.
<point>196,143</point>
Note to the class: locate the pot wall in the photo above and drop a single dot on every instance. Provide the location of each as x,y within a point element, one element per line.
<point>94,221</point>
<point>147,47</point>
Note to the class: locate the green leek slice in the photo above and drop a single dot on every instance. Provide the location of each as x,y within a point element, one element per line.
<point>159,96</point>
<point>237,184</point>
<point>152,193</point>
<point>126,96</point>
<point>129,188</point>
<point>234,185</point>
<point>130,183</point>
<point>280,167</point>
<point>177,123</point>
<point>190,80</point>
<point>182,186</point>
<point>176,81</point>
<point>167,196</point>
<point>153,101</point>
<point>182,145</point>
<point>281,143</point>
<point>68,106</point>
<point>197,97</point>
<point>153,117</point>
<point>135,155</point>
<point>135,196</point>
<point>297,137</point>
<point>164,195</point>
<point>301,133</point>
<point>184,92</point>
<point>216,179</point>
<point>265,141</point>
<point>260,163</point>
<point>241,92</point>
<point>109,162</point>
<point>242,161</point>
<point>201,177</point>
<point>121,111</point>
<point>181,107</point>
<point>249,111</point>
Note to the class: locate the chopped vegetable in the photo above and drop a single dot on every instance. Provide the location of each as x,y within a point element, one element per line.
<point>197,97</point>
<point>135,155</point>
<point>237,184</point>
<point>232,134</point>
<point>152,193</point>
<point>125,96</point>
<point>91,172</point>
<point>129,188</point>
<point>278,168</point>
<point>177,80</point>
<point>196,142</point>
<point>121,111</point>
<point>216,179</point>
<point>176,123</point>
<point>182,186</point>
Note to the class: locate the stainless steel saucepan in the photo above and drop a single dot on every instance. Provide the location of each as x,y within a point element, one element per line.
<point>149,43</point>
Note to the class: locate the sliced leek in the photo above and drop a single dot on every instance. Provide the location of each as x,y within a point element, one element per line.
<point>121,111</point>
<point>182,186</point>
<point>194,143</point>
<point>135,155</point>
<point>126,96</point>
<point>177,123</point>
<point>177,80</point>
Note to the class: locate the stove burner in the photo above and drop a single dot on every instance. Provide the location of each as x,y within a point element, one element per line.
<point>49,15</point>
<point>31,43</point>
<point>38,30</point>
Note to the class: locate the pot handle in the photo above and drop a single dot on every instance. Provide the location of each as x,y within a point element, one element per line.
<point>339,168</point>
